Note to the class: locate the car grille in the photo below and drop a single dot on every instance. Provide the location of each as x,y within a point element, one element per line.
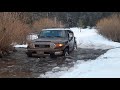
<point>42,46</point>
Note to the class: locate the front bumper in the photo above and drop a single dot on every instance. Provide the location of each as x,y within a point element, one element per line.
<point>45,52</point>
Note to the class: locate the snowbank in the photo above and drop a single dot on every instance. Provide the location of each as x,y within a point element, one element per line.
<point>106,66</point>
<point>88,38</point>
<point>29,37</point>
<point>21,46</point>
<point>32,36</point>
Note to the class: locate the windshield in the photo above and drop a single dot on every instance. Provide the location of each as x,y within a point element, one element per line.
<point>52,33</point>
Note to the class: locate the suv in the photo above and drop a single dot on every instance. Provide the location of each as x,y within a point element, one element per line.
<point>53,42</point>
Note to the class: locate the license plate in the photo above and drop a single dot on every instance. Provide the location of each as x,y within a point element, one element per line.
<point>40,52</point>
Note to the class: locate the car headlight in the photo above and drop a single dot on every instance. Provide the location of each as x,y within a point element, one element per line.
<point>58,45</point>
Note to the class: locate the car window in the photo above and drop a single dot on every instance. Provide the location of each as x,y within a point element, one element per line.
<point>52,33</point>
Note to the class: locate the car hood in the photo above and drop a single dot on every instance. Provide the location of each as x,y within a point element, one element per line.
<point>54,40</point>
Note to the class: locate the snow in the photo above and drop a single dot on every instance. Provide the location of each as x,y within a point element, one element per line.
<point>105,66</point>
<point>29,37</point>
<point>32,36</point>
<point>88,38</point>
<point>21,46</point>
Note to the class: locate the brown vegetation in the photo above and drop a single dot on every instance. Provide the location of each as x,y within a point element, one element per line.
<point>11,30</point>
<point>14,28</point>
<point>46,23</point>
<point>110,27</point>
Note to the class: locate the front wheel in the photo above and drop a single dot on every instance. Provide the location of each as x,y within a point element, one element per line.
<point>75,46</point>
<point>66,52</point>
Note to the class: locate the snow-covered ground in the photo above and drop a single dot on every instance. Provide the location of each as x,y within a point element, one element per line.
<point>21,46</point>
<point>88,38</point>
<point>105,66</point>
<point>32,36</point>
<point>29,37</point>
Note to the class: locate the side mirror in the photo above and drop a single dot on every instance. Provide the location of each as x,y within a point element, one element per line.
<point>70,36</point>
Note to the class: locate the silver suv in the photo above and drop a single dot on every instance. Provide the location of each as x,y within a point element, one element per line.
<point>53,42</point>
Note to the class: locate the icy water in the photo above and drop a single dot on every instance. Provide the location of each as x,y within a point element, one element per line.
<point>18,65</point>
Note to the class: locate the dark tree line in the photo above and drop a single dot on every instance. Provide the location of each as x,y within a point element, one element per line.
<point>70,19</point>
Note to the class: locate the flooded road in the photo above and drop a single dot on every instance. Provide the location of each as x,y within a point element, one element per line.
<point>18,65</point>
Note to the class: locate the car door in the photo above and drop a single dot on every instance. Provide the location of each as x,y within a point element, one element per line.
<point>71,40</point>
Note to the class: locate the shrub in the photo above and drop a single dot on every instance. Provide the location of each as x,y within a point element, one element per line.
<point>11,30</point>
<point>46,23</point>
<point>110,27</point>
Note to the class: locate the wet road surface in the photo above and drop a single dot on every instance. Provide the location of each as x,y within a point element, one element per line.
<point>18,65</point>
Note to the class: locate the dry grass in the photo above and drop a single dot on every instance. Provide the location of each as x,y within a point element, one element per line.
<point>11,30</point>
<point>46,23</point>
<point>110,27</point>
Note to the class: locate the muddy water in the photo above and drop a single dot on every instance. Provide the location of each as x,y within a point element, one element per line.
<point>18,65</point>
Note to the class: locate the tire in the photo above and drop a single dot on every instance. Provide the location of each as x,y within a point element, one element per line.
<point>66,52</point>
<point>75,46</point>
